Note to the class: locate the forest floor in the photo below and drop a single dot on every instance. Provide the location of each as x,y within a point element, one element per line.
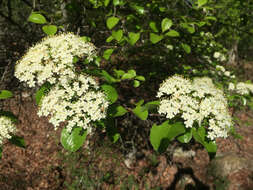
<point>43,164</point>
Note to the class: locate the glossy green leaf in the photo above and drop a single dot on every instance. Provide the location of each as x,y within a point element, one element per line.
<point>202,2</point>
<point>140,78</point>
<point>109,39</point>
<point>172,33</point>
<point>133,37</point>
<point>186,48</point>
<point>111,92</point>
<point>129,75</point>
<point>159,133</point>
<point>152,25</point>
<point>197,136</point>
<point>211,147</point>
<point>116,110</point>
<point>138,9</point>
<point>117,35</point>
<point>166,24</point>
<point>49,29</point>
<point>185,138</point>
<point>141,112</point>
<point>175,130</point>
<point>4,94</point>
<point>136,83</point>
<point>37,18</point>
<point>74,140</point>
<point>154,38</point>
<point>107,53</point>
<point>111,22</point>
<point>119,73</point>
<point>41,92</point>
<point>18,141</point>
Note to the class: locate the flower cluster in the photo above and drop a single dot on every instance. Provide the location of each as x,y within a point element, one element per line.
<point>7,128</point>
<point>77,101</point>
<point>219,56</point>
<point>74,99</point>
<point>222,71</point>
<point>196,102</point>
<point>241,88</point>
<point>52,57</point>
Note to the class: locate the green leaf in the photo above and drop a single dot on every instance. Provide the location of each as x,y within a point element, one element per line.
<point>37,18</point>
<point>116,110</point>
<point>1,151</point>
<point>186,48</point>
<point>106,2</point>
<point>18,141</point>
<point>185,138</point>
<point>139,103</point>
<point>107,53</point>
<point>201,2</point>
<point>158,133</point>
<point>161,135</point>
<point>111,22</point>
<point>166,24</point>
<point>152,25</point>
<point>175,130</point>
<point>4,94</point>
<point>41,92</point>
<point>108,77</point>
<point>86,38</point>
<point>140,78</point>
<point>133,37</point>
<point>141,112</point>
<point>117,34</point>
<point>129,75</point>
<point>119,73</point>
<point>198,137</point>
<point>111,92</point>
<point>172,33</point>
<point>211,147</point>
<point>136,83</point>
<point>109,39</point>
<point>138,9</point>
<point>49,29</point>
<point>188,27</point>
<point>154,38</point>
<point>74,140</point>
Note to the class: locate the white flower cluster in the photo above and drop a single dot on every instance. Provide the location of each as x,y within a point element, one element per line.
<point>7,128</point>
<point>195,101</point>
<point>74,99</point>
<point>219,56</point>
<point>222,71</point>
<point>241,88</point>
<point>52,57</point>
<point>76,102</point>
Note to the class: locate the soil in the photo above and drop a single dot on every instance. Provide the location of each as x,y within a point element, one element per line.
<point>44,164</point>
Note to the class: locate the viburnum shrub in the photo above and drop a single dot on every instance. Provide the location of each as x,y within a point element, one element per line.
<point>67,96</point>
<point>7,128</point>
<point>198,108</point>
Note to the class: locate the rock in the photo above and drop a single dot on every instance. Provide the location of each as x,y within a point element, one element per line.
<point>228,164</point>
<point>179,152</point>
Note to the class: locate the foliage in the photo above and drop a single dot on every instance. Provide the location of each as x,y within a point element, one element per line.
<point>140,44</point>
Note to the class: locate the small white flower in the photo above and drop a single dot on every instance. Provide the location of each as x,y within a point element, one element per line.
<point>227,73</point>
<point>231,86</point>
<point>7,128</point>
